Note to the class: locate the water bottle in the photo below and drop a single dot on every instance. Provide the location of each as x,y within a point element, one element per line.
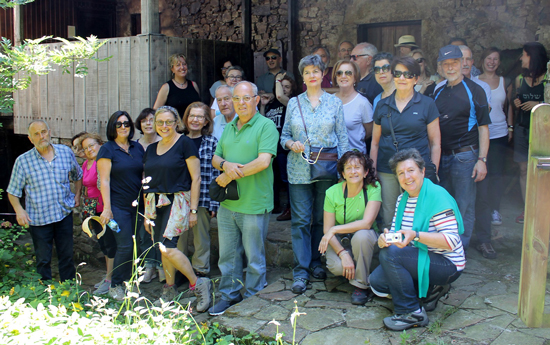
<point>113,225</point>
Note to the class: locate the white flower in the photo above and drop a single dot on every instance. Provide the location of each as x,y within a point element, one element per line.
<point>146,180</point>
<point>134,203</point>
<point>274,322</point>
<point>152,223</point>
<point>145,187</point>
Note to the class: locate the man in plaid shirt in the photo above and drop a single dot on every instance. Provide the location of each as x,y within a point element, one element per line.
<point>43,173</point>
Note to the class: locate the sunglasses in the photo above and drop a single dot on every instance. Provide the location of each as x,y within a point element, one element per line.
<point>272,57</point>
<point>420,60</point>
<point>405,74</point>
<point>354,57</point>
<point>379,69</point>
<point>119,124</point>
<point>348,73</point>
<point>168,123</point>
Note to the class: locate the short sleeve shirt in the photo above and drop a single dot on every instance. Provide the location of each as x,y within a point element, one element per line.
<point>369,87</point>
<point>463,109</point>
<point>355,207</point>
<point>169,172</point>
<point>258,135</point>
<point>410,127</point>
<point>357,112</point>
<point>266,81</point>
<point>126,171</point>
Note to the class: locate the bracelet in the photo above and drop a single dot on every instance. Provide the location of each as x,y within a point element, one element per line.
<point>340,252</point>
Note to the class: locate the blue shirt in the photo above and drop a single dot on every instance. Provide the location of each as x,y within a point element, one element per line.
<point>325,126</point>
<point>47,187</point>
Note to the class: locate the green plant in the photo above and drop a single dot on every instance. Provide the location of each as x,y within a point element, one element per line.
<point>404,337</point>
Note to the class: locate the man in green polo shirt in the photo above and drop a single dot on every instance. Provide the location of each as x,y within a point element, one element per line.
<point>244,153</point>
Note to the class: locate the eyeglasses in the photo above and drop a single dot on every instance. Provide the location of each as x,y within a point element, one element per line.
<point>247,99</point>
<point>197,117</point>
<point>168,123</point>
<point>405,74</point>
<point>119,124</point>
<point>91,146</point>
<point>344,50</point>
<point>226,98</point>
<point>235,77</point>
<point>348,73</point>
<point>147,121</point>
<point>382,69</point>
<point>272,57</point>
<point>354,57</point>
<point>420,60</point>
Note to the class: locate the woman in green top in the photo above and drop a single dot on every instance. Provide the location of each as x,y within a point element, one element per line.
<point>351,207</point>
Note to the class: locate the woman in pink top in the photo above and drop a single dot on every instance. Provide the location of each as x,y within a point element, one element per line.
<point>91,143</point>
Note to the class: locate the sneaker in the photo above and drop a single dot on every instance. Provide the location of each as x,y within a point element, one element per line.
<point>406,321</point>
<point>168,295</point>
<point>285,215</point>
<point>520,218</point>
<point>162,275</point>
<point>299,286</point>
<point>221,306</point>
<point>487,250</point>
<point>117,292</point>
<point>203,291</point>
<point>101,282</point>
<point>150,274</point>
<point>103,288</point>
<point>319,273</point>
<point>438,292</point>
<point>360,296</point>
<point>496,218</point>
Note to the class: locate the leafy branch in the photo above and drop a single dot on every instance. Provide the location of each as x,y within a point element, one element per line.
<point>12,3</point>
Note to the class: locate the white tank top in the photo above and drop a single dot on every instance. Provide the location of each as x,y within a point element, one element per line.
<point>499,127</point>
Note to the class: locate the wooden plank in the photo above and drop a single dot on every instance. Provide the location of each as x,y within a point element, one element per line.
<point>124,68</point>
<point>208,69</point>
<point>158,64</point>
<point>79,91</point>
<point>43,81</point>
<point>91,93</point>
<point>113,95</point>
<point>536,229</point>
<point>66,103</point>
<point>103,91</point>
<point>194,61</point>
<point>54,96</point>
<point>145,92</point>
<point>136,98</point>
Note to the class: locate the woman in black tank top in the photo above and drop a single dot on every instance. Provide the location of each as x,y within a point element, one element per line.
<point>178,92</point>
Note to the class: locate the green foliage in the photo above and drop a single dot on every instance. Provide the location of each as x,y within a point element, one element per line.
<point>12,3</point>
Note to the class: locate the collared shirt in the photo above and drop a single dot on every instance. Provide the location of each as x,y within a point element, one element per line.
<point>479,82</point>
<point>219,124</point>
<point>48,196</point>
<point>369,87</point>
<point>325,126</point>
<point>208,173</point>
<point>266,81</point>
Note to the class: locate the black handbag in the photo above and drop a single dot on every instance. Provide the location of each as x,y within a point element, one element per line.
<point>322,160</point>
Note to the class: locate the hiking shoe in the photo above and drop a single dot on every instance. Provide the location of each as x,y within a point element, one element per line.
<point>487,250</point>
<point>168,295</point>
<point>496,218</point>
<point>117,292</point>
<point>162,275</point>
<point>150,274</point>
<point>406,321</point>
<point>103,288</point>
<point>221,306</point>
<point>101,282</point>
<point>438,292</point>
<point>319,273</point>
<point>203,291</point>
<point>361,296</point>
<point>299,286</point>
<point>520,218</point>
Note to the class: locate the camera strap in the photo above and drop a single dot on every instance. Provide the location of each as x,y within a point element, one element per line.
<point>346,199</point>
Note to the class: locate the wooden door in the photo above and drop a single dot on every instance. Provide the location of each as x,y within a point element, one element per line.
<point>385,35</point>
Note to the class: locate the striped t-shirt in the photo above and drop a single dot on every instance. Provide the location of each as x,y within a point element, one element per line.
<point>443,222</point>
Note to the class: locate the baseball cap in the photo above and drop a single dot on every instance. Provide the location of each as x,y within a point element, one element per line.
<point>449,52</point>
<point>272,50</point>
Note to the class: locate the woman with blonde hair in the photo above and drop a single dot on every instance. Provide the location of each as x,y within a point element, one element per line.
<point>425,79</point>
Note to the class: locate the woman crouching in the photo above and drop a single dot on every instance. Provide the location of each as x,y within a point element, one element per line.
<point>428,217</point>
<point>350,208</point>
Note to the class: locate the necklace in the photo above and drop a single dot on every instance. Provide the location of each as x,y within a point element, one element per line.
<point>181,85</point>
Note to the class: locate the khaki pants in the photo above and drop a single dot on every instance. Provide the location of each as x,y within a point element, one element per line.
<point>362,248</point>
<point>201,242</point>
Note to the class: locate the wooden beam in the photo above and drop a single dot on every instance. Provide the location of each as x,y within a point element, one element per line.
<point>247,22</point>
<point>536,229</point>
<point>150,17</point>
<point>17,25</point>
<point>293,41</point>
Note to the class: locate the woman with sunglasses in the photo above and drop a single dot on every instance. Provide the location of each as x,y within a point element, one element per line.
<point>321,115</point>
<point>120,168</point>
<point>425,78</point>
<point>405,119</point>
<point>178,92</point>
<point>382,73</point>
<point>357,108</point>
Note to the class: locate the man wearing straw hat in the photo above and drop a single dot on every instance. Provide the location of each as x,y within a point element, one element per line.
<point>406,44</point>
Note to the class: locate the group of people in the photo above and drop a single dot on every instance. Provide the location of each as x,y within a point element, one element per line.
<point>409,149</point>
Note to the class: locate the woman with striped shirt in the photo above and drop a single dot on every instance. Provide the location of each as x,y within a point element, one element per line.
<point>428,256</point>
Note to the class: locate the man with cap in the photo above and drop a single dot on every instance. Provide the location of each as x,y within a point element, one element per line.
<point>406,44</point>
<point>266,81</point>
<point>44,173</point>
<point>464,119</point>
<point>363,53</point>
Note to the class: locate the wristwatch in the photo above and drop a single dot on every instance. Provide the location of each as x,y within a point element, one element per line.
<point>221,165</point>
<point>483,159</point>
<point>417,237</point>
<point>194,211</point>
<point>510,128</point>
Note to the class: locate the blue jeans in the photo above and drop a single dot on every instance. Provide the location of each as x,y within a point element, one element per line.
<point>122,267</point>
<point>455,173</point>
<point>43,238</point>
<point>239,234</point>
<point>398,275</point>
<point>306,206</point>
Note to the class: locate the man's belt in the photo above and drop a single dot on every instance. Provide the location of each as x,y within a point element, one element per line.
<point>460,149</point>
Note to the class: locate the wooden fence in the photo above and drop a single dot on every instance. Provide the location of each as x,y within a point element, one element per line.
<point>129,81</point>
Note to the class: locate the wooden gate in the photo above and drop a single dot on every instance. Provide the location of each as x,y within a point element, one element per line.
<point>385,35</point>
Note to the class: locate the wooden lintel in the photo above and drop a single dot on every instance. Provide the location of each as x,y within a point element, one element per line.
<point>150,17</point>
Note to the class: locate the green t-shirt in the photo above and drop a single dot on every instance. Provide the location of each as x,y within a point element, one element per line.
<point>259,135</point>
<point>355,207</point>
